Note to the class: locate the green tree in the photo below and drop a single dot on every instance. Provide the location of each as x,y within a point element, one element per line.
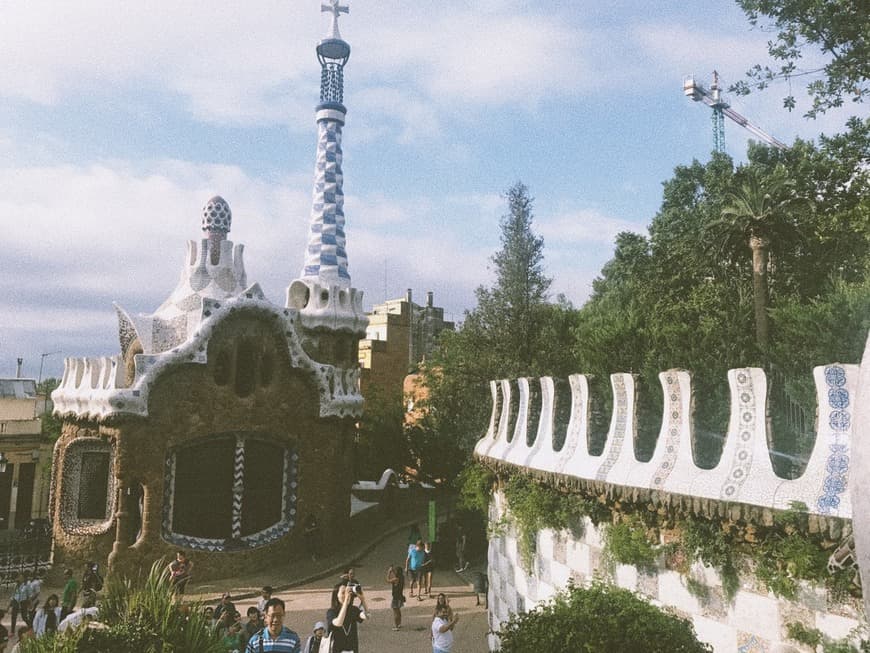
<point>759,209</point>
<point>510,310</point>
<point>381,442</point>
<point>598,619</point>
<point>839,30</point>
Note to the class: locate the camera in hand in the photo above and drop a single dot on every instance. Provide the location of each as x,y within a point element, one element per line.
<point>356,588</point>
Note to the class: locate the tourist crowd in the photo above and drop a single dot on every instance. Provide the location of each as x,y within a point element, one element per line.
<point>262,630</point>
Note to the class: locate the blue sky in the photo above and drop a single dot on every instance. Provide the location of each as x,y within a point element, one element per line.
<point>118,121</point>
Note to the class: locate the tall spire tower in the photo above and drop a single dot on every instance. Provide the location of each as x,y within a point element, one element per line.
<point>326,257</point>
<point>323,292</point>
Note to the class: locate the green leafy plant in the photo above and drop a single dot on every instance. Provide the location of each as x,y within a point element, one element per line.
<point>628,544</point>
<point>814,637</point>
<point>137,616</point>
<point>599,619</point>
<point>697,588</point>
<point>475,484</point>
<point>533,507</point>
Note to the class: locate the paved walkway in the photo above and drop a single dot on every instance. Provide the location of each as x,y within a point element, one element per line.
<point>308,603</point>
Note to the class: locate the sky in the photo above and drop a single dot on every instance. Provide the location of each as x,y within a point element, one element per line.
<point>118,121</point>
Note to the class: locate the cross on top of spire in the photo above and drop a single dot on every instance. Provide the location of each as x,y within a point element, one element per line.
<point>335,8</point>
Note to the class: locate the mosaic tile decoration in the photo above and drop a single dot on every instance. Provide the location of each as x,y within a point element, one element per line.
<point>742,462</point>
<point>338,387</point>
<point>326,257</point>
<point>620,405</point>
<point>839,422</point>
<point>748,643</point>
<point>69,487</point>
<point>577,422</point>
<point>178,317</point>
<point>672,441</point>
<point>235,543</point>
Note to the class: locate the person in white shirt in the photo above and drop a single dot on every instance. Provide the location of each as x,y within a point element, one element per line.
<point>47,618</point>
<point>442,630</point>
<point>77,617</point>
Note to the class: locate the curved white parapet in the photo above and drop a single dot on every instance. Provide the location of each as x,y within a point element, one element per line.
<point>744,473</point>
<point>822,487</point>
<point>620,437</point>
<point>544,436</point>
<point>576,439</point>
<point>674,438</point>
<point>520,449</point>
<point>485,443</point>
<point>673,464</point>
<point>583,464</point>
<point>761,481</point>
<point>745,440</point>
<point>859,478</point>
<point>511,428</point>
<point>545,457</point>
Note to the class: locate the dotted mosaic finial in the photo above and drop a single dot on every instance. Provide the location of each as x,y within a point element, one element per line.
<point>217,218</point>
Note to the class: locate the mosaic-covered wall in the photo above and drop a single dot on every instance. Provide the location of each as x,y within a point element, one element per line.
<point>552,442</point>
<point>754,621</point>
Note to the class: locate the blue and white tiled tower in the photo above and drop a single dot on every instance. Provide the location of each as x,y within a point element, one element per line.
<point>323,293</point>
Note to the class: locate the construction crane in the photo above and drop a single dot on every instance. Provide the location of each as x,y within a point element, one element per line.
<point>713,99</point>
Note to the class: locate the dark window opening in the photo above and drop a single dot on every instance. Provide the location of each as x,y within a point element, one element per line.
<point>93,485</point>
<point>496,408</point>
<point>222,368</point>
<point>246,367</point>
<point>267,367</point>
<point>6,495</point>
<point>649,409</point>
<point>264,480</point>
<point>203,497</point>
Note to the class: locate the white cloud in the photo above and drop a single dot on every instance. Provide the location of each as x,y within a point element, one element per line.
<point>582,227</point>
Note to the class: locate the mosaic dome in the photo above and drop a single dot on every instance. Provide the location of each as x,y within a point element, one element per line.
<point>216,215</point>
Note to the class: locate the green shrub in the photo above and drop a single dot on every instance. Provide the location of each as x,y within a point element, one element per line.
<point>599,619</point>
<point>627,544</point>
<point>475,488</point>
<point>533,507</point>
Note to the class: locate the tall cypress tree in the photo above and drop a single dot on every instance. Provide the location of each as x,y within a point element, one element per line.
<point>512,309</point>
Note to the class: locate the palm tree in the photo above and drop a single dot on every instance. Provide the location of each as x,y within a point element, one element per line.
<point>762,209</point>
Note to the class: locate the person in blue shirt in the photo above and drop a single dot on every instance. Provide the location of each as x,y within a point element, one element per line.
<point>275,637</point>
<point>414,564</point>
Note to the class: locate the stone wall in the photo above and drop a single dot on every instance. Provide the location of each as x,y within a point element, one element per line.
<point>191,403</point>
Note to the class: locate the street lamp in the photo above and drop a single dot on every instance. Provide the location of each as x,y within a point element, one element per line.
<point>42,362</point>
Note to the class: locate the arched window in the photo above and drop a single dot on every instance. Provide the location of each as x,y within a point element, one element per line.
<point>88,499</point>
